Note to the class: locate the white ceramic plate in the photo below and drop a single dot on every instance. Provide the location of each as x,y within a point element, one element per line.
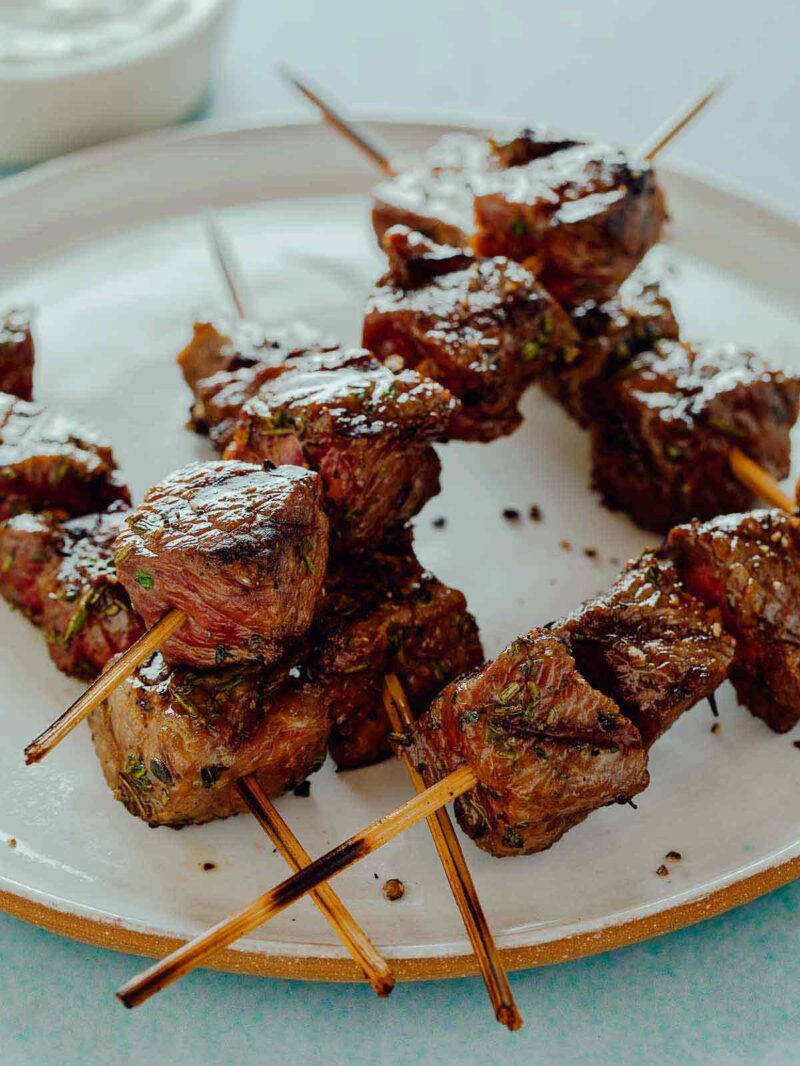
<point>109,248</point>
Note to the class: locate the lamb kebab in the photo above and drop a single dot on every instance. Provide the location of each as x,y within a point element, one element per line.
<point>16,355</point>
<point>561,722</point>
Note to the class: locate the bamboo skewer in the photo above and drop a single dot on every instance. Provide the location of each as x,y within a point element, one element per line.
<point>357,136</point>
<point>105,684</point>
<point>365,955</point>
<point>365,842</point>
<point>455,867</point>
<point>753,476</point>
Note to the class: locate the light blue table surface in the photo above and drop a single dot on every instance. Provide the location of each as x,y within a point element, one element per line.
<point>726,991</point>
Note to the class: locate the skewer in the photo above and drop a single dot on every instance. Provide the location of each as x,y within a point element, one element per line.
<point>659,140</point>
<point>753,476</point>
<point>196,952</point>
<point>457,871</point>
<point>363,141</point>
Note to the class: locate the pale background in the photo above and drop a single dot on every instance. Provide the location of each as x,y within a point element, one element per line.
<point>724,992</point>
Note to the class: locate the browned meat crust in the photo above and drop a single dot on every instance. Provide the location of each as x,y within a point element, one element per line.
<point>582,215</point>
<point>748,566</point>
<point>483,328</point>
<point>221,345</point>
<point>62,575</point>
<point>173,741</point>
<point>650,645</point>
<point>546,747</point>
<point>662,443</point>
<point>16,355</point>
<point>365,429</point>
<point>611,334</point>
<point>241,550</point>
<point>383,613</point>
<point>47,461</point>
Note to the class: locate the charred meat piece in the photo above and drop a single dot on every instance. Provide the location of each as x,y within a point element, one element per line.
<point>241,550</point>
<point>580,215</point>
<point>650,645</point>
<point>173,741</point>
<point>546,747</point>
<point>669,420</point>
<point>383,613</point>
<point>483,328</point>
<point>610,335</point>
<point>16,355</point>
<point>62,575</point>
<point>49,462</point>
<point>748,566</point>
<point>365,429</point>
<point>219,345</point>
<point>584,217</point>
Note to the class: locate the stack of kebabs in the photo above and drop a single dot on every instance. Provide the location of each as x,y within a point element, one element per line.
<point>291,560</point>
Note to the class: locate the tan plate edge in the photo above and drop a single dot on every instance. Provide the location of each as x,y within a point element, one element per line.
<point>116,938</point>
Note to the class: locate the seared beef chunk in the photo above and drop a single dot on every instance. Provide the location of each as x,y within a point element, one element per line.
<point>47,461</point>
<point>218,401</point>
<point>241,550</point>
<point>611,334</point>
<point>16,355</point>
<point>221,345</point>
<point>173,741</point>
<point>62,575</point>
<point>484,328</point>
<point>748,566</point>
<point>546,747</point>
<point>383,613</point>
<point>649,645</point>
<point>669,420</point>
<point>365,429</point>
<point>583,215</point>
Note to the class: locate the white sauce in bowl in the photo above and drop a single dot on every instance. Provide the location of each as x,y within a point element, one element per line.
<point>34,32</point>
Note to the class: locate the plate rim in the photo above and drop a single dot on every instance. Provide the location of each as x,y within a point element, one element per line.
<point>112,933</point>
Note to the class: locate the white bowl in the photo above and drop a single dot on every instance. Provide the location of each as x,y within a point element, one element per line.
<point>54,106</point>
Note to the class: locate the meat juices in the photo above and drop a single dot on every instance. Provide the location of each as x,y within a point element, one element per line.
<point>581,215</point>
<point>49,462</point>
<point>650,645</point>
<point>62,576</point>
<point>173,741</point>
<point>611,334</point>
<point>366,430</point>
<point>546,747</point>
<point>483,328</point>
<point>384,614</point>
<point>241,550</point>
<point>661,443</point>
<point>16,355</point>
<point>748,567</point>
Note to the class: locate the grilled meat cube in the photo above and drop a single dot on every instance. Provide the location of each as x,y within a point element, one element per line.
<point>669,420</point>
<point>218,401</point>
<point>365,429</point>
<point>16,355</point>
<point>26,547</point>
<point>584,215</point>
<point>650,645</point>
<point>47,461</point>
<point>748,566</point>
<point>241,550</point>
<point>173,741</point>
<point>610,335</point>
<point>384,614</point>
<point>62,575</point>
<point>484,328</point>
<point>546,747</point>
<point>219,345</point>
